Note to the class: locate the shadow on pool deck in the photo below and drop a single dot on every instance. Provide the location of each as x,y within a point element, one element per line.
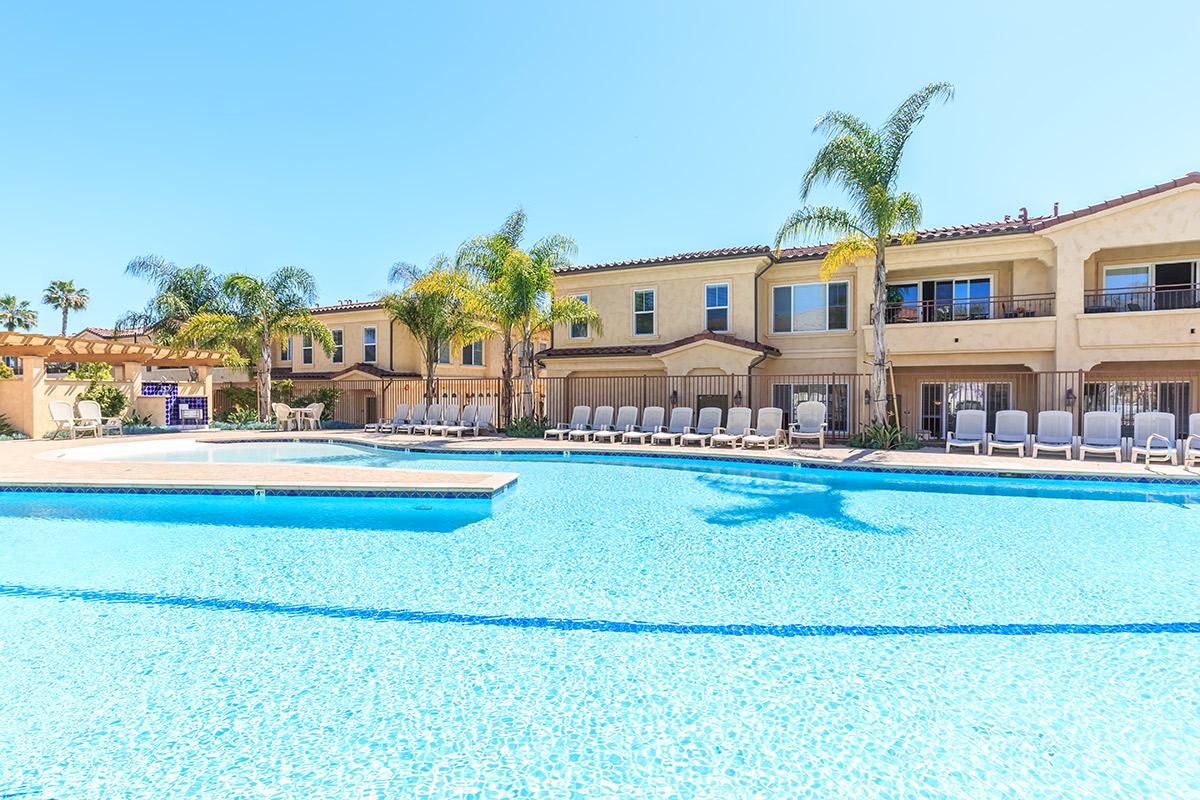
<point>586,625</point>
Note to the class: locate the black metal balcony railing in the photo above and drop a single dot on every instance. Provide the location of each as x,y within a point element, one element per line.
<point>976,308</point>
<point>1146,298</point>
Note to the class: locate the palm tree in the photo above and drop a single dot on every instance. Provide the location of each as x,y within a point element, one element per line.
<point>515,296</point>
<point>865,163</point>
<point>16,314</point>
<point>64,296</point>
<point>436,307</point>
<point>180,294</point>
<point>260,312</point>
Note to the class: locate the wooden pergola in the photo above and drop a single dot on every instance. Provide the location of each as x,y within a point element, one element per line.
<point>69,348</point>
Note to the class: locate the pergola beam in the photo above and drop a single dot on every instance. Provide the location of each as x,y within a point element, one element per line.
<point>61,348</point>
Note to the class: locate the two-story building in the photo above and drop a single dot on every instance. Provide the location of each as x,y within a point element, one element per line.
<point>1095,308</point>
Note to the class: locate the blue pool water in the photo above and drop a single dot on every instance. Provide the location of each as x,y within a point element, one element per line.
<point>609,628</point>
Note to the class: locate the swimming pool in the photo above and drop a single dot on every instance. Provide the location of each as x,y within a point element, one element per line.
<point>609,628</point>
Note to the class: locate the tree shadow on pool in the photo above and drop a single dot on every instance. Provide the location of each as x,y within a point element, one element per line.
<point>818,503</point>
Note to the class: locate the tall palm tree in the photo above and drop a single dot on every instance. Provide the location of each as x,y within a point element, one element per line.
<point>865,163</point>
<point>180,294</point>
<point>64,296</point>
<point>435,305</point>
<point>16,315</point>
<point>260,312</point>
<point>515,296</point>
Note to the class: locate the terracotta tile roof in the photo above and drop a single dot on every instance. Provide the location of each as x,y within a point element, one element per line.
<point>678,258</point>
<point>654,349</point>
<point>109,333</point>
<point>1186,180</point>
<point>348,305</point>
<point>287,373</point>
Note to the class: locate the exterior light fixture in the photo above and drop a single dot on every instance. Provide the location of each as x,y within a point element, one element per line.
<point>1070,398</point>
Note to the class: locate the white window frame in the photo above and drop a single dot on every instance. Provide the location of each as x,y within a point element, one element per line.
<point>728,307</point>
<point>1152,270</point>
<point>338,356</point>
<point>587,329</point>
<point>653,312</point>
<point>285,349</point>
<point>477,343</point>
<point>373,343</point>
<point>443,346</point>
<point>849,309</point>
<point>306,349</point>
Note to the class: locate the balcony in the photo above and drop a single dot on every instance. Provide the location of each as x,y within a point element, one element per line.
<point>971,309</point>
<point>1143,298</point>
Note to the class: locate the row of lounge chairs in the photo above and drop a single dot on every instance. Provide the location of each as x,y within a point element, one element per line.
<point>1153,435</point>
<point>683,429</point>
<point>436,419</point>
<point>84,417</point>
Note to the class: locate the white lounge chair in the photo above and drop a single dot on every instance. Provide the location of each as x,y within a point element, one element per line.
<point>399,417</point>
<point>970,430</point>
<point>680,421</point>
<point>451,416</point>
<point>433,418</point>
<point>768,431</point>
<point>737,425</point>
<point>312,415</point>
<point>580,417</point>
<point>602,420</point>
<point>89,412</point>
<point>626,421</point>
<point>285,418</point>
<point>1101,435</point>
<point>706,425</point>
<point>1154,437</point>
<point>809,423</point>
<point>1012,432</point>
<point>1191,445</point>
<point>63,416</point>
<point>652,420</point>
<point>1054,433</point>
<point>419,413</point>
<point>480,420</point>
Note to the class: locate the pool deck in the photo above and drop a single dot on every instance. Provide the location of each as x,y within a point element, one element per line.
<point>39,463</point>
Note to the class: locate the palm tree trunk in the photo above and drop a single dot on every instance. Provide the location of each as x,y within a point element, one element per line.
<point>879,392</point>
<point>263,373</point>
<point>64,327</point>
<point>430,366</point>
<point>526,404</point>
<point>506,397</point>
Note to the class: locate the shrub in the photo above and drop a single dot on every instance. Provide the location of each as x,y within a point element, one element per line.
<point>6,428</point>
<point>326,394</point>
<point>884,437</point>
<point>6,371</point>
<point>92,372</point>
<point>242,416</point>
<point>238,398</point>
<point>136,420</point>
<point>531,427</point>
<point>244,426</point>
<point>111,399</point>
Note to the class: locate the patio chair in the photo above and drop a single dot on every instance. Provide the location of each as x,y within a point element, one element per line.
<point>1054,433</point>
<point>706,425</point>
<point>285,418</point>
<point>311,418</point>
<point>1191,445</point>
<point>1154,437</point>
<point>433,418</point>
<point>602,420</point>
<point>769,430</point>
<point>580,417</point>
<point>970,430</point>
<point>419,413</point>
<point>626,421</point>
<point>652,420</point>
<point>89,412</point>
<point>399,417</point>
<point>63,416</point>
<point>680,421</point>
<point>1101,435</point>
<point>809,423</point>
<point>737,425</point>
<point>481,421</point>
<point>1012,432</point>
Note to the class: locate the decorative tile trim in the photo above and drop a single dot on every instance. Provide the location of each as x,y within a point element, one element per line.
<point>260,491</point>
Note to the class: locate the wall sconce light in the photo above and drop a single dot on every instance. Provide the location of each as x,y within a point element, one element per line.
<point>737,397</point>
<point>867,396</point>
<point>1070,398</point>
<point>674,397</point>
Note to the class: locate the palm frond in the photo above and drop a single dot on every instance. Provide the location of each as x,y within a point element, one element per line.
<point>303,323</point>
<point>817,222</point>
<point>900,125</point>
<point>907,215</point>
<point>844,252</point>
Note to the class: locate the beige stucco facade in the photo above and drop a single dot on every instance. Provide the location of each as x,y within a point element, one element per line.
<point>1040,285</point>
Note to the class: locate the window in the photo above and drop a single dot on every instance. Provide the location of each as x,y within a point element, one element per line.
<point>339,351</point>
<point>643,312</point>
<point>306,350</point>
<point>472,354</point>
<point>941,300</point>
<point>835,396</point>
<point>1149,287</point>
<point>443,353</point>
<point>1133,396</point>
<point>579,330</point>
<point>369,349</point>
<point>941,402</point>
<point>716,307</point>
<point>807,307</point>
<point>285,350</point>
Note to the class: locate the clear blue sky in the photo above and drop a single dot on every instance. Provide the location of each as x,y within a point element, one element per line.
<point>344,137</point>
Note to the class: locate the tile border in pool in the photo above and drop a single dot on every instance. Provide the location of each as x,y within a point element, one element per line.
<point>692,455</point>
<point>259,491</point>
